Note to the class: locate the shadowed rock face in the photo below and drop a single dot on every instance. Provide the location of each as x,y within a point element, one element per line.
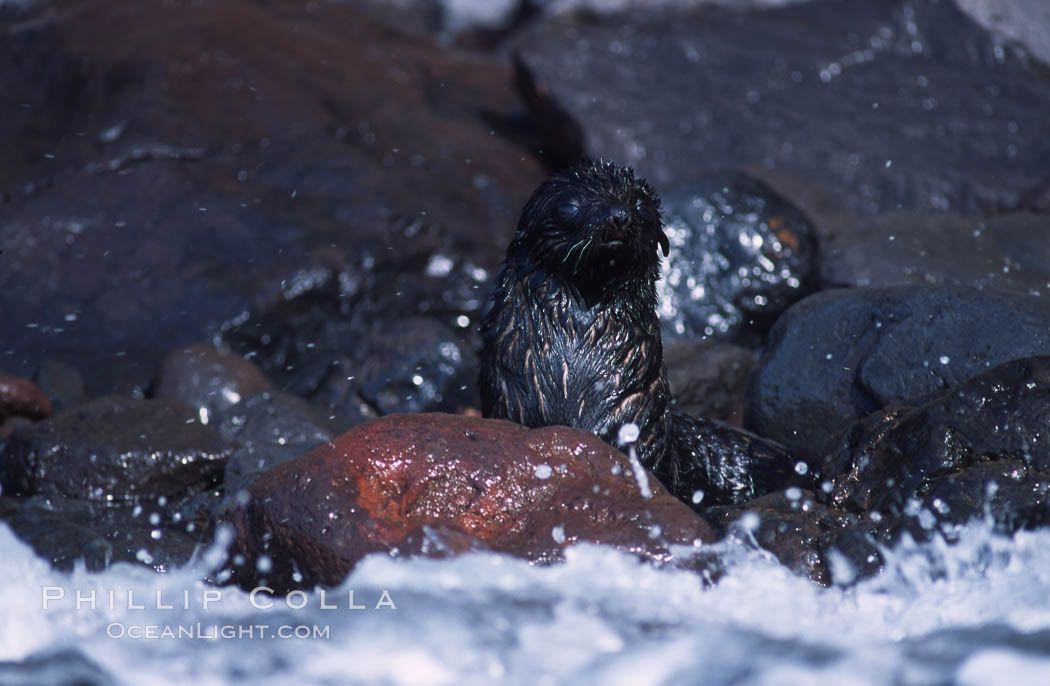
<point>838,355</point>
<point>116,449</point>
<point>992,430</point>
<point>1007,252</point>
<point>709,379</point>
<point>154,187</point>
<point>436,484</point>
<point>902,105</point>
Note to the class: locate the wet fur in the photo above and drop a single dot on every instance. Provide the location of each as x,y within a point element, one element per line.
<point>572,337</point>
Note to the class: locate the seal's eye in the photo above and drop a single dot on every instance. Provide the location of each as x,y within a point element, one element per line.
<point>567,210</point>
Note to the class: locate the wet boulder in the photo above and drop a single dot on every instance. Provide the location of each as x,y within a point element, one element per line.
<point>269,429</point>
<point>1024,21</point>
<point>149,191</point>
<point>841,354</point>
<point>208,379</point>
<point>800,531</point>
<point>65,531</point>
<point>1007,252</point>
<point>387,483</point>
<point>982,448</point>
<point>708,378</point>
<point>889,105</point>
<point>115,449</point>
<point>392,334</point>
<point>740,255</point>
<point>411,365</point>
<point>23,398</point>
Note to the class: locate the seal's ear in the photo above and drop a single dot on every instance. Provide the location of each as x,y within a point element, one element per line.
<point>665,244</point>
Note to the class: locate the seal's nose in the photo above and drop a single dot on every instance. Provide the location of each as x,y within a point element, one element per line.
<point>618,217</point>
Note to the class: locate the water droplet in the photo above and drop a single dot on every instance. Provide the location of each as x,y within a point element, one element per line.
<point>801,468</point>
<point>628,433</point>
<point>750,521</point>
<point>439,265</point>
<point>543,471</point>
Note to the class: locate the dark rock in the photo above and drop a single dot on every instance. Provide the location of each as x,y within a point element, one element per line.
<point>981,447</point>
<point>708,379</point>
<point>208,379</point>
<point>1036,199</point>
<point>150,191</point>
<point>839,355</point>
<point>946,111</point>
<point>411,365</point>
<point>520,491</point>
<point>740,254</point>
<point>62,382</point>
<point>1010,493</point>
<point>1007,252</point>
<point>828,216</point>
<point>7,427</point>
<point>554,135</point>
<point>64,530</point>
<point>345,337</point>
<point>1025,21</point>
<point>24,398</point>
<point>791,525</point>
<point>115,449</point>
<point>272,428</point>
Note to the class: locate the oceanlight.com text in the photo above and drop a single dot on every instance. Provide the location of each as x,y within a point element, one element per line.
<point>217,632</point>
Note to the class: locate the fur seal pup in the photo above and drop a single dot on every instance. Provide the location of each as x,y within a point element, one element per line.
<point>572,337</point>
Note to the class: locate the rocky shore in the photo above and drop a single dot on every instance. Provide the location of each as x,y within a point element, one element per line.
<point>246,249</point>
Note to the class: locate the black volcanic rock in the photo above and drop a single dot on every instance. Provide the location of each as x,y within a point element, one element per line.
<point>64,531</point>
<point>740,254</point>
<point>1007,252</point>
<point>981,448</point>
<point>708,378</point>
<point>115,449</point>
<point>902,104</point>
<point>841,354</point>
<point>155,187</point>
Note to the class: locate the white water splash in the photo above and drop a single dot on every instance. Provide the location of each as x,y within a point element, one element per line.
<point>968,613</point>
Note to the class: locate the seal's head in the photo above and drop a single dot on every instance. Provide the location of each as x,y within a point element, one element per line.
<point>593,224</point>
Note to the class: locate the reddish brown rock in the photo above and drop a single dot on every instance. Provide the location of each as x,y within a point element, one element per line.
<point>24,398</point>
<point>444,483</point>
